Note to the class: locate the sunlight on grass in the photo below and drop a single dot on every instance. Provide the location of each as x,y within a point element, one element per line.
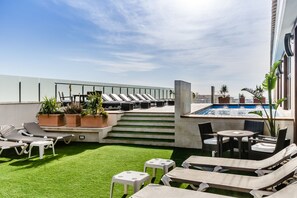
<point>78,169</point>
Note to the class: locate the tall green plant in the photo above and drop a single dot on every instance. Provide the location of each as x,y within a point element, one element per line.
<point>268,85</point>
<point>49,106</point>
<point>94,106</point>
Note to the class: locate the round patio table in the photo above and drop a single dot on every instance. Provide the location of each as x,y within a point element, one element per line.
<point>239,134</point>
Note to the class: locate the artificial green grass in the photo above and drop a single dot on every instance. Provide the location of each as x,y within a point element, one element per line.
<point>81,169</point>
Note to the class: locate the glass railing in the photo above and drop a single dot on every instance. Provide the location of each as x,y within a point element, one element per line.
<point>30,89</point>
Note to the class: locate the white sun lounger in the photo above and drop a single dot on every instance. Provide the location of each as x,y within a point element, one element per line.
<point>241,183</point>
<point>10,133</point>
<point>158,191</point>
<point>8,145</point>
<point>258,166</point>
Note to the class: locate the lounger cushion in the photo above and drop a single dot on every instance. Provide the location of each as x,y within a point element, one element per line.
<point>6,130</point>
<point>264,147</point>
<point>214,140</point>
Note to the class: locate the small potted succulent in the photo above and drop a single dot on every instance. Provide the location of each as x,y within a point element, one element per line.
<point>49,113</point>
<point>241,98</point>
<point>224,98</point>
<point>94,115</point>
<point>72,115</point>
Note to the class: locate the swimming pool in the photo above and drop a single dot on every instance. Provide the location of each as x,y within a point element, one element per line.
<point>231,110</point>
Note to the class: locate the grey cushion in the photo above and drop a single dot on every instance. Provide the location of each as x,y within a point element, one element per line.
<point>6,130</point>
<point>264,147</point>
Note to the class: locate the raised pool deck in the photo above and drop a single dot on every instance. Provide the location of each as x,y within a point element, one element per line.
<point>169,109</point>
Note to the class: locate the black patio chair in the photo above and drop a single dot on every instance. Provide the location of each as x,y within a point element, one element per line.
<point>267,146</point>
<point>255,126</point>
<point>65,100</point>
<point>209,139</point>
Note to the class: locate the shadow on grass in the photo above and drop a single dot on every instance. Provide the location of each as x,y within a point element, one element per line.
<point>61,150</point>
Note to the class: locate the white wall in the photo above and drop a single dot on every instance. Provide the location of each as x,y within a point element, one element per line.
<point>18,113</point>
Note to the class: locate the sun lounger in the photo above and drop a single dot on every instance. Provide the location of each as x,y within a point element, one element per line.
<point>260,167</point>
<point>140,97</point>
<point>289,191</point>
<point>123,105</point>
<point>241,183</point>
<point>33,129</point>
<point>10,133</point>
<point>127,99</point>
<point>158,191</point>
<point>109,103</point>
<point>159,103</point>
<point>8,145</point>
<point>129,104</point>
<point>143,103</point>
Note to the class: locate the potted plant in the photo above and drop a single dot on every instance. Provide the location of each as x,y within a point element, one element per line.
<point>268,84</point>
<point>94,115</point>
<point>261,98</point>
<point>224,98</point>
<point>241,98</point>
<point>72,115</point>
<point>49,113</point>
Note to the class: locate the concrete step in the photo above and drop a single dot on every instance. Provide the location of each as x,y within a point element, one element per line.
<point>150,135</point>
<point>140,141</point>
<point>146,123</point>
<point>151,114</point>
<point>144,129</point>
<point>147,118</point>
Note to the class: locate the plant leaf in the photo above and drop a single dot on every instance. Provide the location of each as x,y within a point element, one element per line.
<point>278,102</point>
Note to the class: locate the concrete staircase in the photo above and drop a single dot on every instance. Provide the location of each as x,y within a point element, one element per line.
<point>143,128</point>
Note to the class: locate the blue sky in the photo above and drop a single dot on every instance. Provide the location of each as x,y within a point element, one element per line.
<point>205,42</point>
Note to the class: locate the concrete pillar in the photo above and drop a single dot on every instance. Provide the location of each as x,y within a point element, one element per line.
<point>182,98</point>
<point>183,136</point>
<point>212,99</point>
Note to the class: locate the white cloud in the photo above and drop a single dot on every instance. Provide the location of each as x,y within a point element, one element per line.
<point>220,38</point>
<point>121,62</point>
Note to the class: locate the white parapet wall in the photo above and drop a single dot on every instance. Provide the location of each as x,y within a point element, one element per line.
<point>18,113</point>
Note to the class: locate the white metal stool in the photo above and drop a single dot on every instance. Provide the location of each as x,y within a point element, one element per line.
<point>41,145</point>
<point>159,163</point>
<point>132,178</point>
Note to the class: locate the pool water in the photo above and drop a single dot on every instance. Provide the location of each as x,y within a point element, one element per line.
<point>231,110</point>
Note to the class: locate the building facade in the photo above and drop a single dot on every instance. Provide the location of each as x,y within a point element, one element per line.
<point>284,47</point>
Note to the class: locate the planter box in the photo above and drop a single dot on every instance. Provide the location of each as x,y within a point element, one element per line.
<point>72,120</point>
<point>257,101</point>
<point>51,119</point>
<point>90,121</point>
<point>224,100</point>
<point>242,100</point>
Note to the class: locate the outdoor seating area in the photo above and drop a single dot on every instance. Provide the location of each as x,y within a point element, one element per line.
<point>148,99</point>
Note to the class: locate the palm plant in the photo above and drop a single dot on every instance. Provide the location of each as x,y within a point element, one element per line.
<point>268,85</point>
<point>224,90</point>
